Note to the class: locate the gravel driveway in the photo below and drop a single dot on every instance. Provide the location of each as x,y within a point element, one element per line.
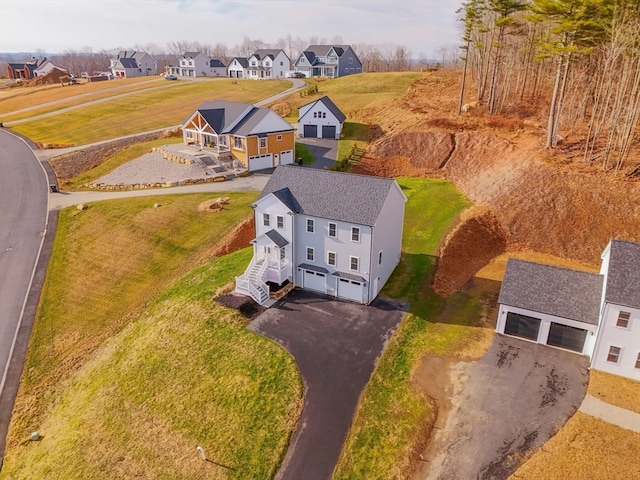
<point>504,407</point>
<point>335,345</point>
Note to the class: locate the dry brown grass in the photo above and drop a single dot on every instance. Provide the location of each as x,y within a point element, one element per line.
<point>618,391</point>
<point>586,448</point>
<point>494,270</point>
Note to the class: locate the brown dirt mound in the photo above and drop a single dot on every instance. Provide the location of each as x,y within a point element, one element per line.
<point>425,150</point>
<point>237,239</point>
<point>54,76</point>
<point>471,245</point>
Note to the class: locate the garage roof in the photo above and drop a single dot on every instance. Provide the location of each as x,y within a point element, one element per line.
<point>623,279</point>
<point>557,291</point>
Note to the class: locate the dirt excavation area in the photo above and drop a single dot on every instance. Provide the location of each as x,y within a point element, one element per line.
<point>543,201</point>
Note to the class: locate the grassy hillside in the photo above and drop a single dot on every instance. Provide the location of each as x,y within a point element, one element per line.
<point>142,111</point>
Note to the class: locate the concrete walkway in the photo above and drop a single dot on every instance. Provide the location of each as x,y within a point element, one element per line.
<point>256,182</point>
<point>610,413</point>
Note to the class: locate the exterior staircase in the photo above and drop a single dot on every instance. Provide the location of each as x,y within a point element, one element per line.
<point>252,282</point>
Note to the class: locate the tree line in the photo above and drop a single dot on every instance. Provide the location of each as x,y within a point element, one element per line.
<point>579,58</point>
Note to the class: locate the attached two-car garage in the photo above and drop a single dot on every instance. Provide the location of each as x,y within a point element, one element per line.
<point>339,284</point>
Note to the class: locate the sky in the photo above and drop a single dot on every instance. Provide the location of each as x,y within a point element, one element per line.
<point>56,26</point>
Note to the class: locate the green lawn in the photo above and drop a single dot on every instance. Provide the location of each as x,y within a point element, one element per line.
<point>144,111</point>
<point>393,418</point>
<point>128,370</point>
<point>131,364</point>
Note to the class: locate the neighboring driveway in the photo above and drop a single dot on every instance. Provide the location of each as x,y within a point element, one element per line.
<point>324,150</point>
<point>505,406</point>
<point>336,346</point>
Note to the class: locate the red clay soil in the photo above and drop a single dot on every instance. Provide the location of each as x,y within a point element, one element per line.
<point>477,239</point>
<point>237,239</point>
<point>554,207</point>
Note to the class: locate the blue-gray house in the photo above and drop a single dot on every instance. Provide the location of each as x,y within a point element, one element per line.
<point>328,61</point>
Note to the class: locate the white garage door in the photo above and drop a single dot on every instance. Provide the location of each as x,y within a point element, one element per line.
<point>350,289</point>
<point>315,281</point>
<point>260,162</point>
<point>286,157</point>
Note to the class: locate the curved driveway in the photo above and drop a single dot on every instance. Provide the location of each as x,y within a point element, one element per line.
<point>336,345</point>
<point>23,222</point>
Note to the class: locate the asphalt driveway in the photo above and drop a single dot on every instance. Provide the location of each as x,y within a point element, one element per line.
<point>505,406</point>
<point>336,345</point>
<point>324,150</point>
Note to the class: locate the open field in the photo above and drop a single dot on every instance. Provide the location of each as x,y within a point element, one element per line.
<point>585,447</point>
<point>17,103</point>
<point>141,112</point>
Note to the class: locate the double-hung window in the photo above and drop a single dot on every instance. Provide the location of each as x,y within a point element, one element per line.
<point>355,234</point>
<point>265,219</point>
<point>623,319</point>
<point>311,225</point>
<point>614,354</point>
<point>331,259</point>
<point>310,254</point>
<point>263,143</point>
<point>280,222</point>
<point>354,263</point>
<point>333,230</point>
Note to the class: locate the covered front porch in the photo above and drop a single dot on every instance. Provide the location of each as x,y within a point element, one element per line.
<point>270,248</point>
<point>218,145</point>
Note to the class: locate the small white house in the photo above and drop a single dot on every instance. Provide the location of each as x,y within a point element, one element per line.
<point>320,119</point>
<point>237,67</point>
<point>45,66</point>
<point>595,314</point>
<point>334,233</point>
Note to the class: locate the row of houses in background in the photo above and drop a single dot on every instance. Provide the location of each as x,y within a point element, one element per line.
<point>315,61</point>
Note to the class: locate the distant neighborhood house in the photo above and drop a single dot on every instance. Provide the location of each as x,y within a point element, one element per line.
<point>593,314</point>
<point>334,233</point>
<point>197,64</point>
<point>328,61</point>
<point>34,68</point>
<point>130,64</point>
<point>320,119</point>
<point>256,138</point>
<point>264,64</point>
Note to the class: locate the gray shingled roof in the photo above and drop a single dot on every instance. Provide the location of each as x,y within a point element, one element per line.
<point>276,238</point>
<point>264,52</point>
<point>623,279</point>
<point>128,63</point>
<point>331,106</point>
<point>323,50</point>
<point>333,195</point>
<point>313,268</point>
<point>349,276</point>
<point>219,114</point>
<point>555,291</point>
<point>190,54</point>
<point>243,61</point>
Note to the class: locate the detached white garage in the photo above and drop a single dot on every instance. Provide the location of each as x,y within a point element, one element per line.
<point>550,305</point>
<point>320,119</point>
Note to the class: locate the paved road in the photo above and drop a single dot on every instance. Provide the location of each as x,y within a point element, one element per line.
<point>23,220</point>
<point>335,345</point>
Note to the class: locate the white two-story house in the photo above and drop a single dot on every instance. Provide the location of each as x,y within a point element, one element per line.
<point>264,64</point>
<point>594,314</point>
<point>197,64</point>
<point>129,64</point>
<point>333,233</point>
